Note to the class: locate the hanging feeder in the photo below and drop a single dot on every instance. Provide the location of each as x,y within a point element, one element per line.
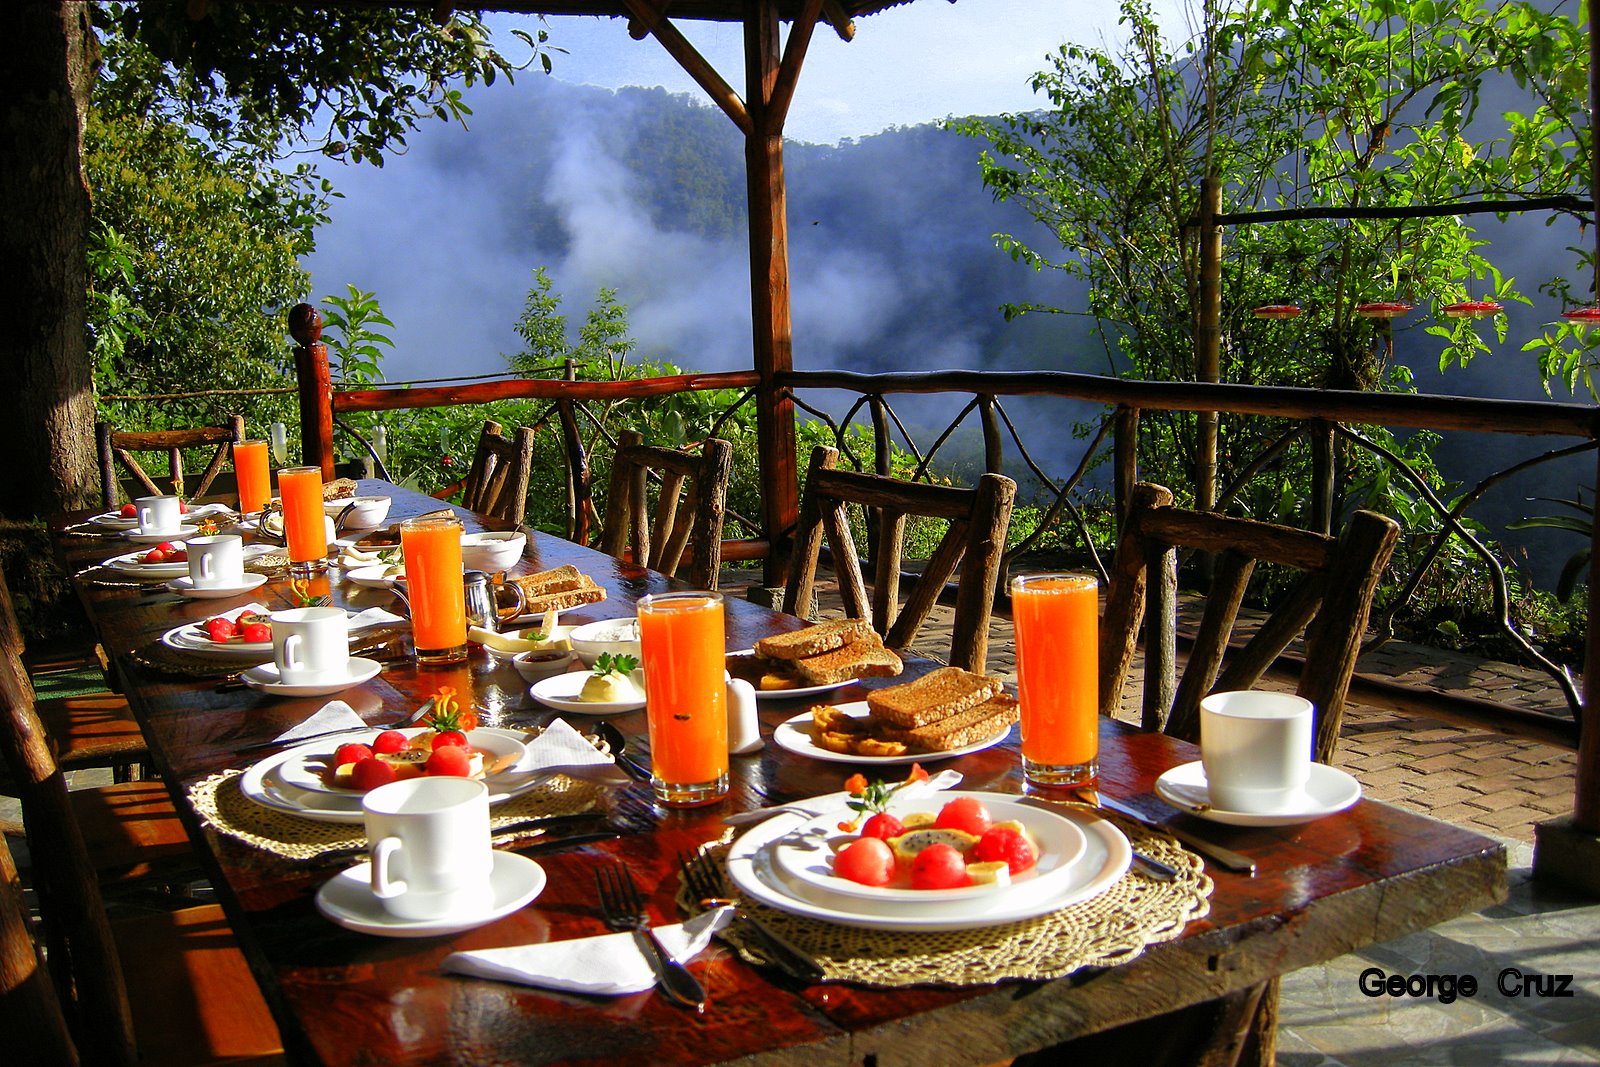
<point>1473,309</point>
<point>1583,316</point>
<point>1277,311</point>
<point>1383,309</point>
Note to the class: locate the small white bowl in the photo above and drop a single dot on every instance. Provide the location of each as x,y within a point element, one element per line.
<point>493,550</point>
<point>370,511</point>
<point>620,637</point>
<point>542,663</point>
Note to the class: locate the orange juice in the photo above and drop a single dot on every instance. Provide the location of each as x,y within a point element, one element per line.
<point>1058,675</point>
<point>250,470</point>
<point>681,639</point>
<point>432,550</point>
<point>303,526</point>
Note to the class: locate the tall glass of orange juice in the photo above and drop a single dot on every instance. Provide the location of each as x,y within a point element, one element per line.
<point>685,687</point>
<point>250,470</point>
<point>1057,619</point>
<point>432,550</point>
<point>304,531</point>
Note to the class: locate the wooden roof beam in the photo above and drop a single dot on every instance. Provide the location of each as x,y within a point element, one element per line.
<point>842,23</point>
<point>794,55</point>
<point>653,19</point>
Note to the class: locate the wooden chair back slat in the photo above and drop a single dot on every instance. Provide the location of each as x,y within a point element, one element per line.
<point>1330,602</point>
<point>497,481</point>
<point>117,447</point>
<point>691,504</point>
<point>974,543</point>
<point>30,1010</point>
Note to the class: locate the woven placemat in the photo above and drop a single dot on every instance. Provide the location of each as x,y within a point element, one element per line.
<point>1103,931</point>
<point>223,805</point>
<point>157,656</point>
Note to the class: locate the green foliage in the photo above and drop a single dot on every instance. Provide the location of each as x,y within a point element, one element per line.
<point>1297,104</point>
<point>193,264</point>
<point>1581,522</point>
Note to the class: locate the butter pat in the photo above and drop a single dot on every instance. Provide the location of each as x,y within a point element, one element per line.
<point>609,688</point>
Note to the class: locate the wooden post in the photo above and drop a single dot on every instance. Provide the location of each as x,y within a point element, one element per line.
<point>316,389</point>
<point>771,328</point>
<point>1125,453</point>
<point>994,453</point>
<point>1208,341</point>
<point>1322,476</point>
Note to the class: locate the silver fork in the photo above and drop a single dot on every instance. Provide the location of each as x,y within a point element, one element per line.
<point>622,909</point>
<point>706,882</point>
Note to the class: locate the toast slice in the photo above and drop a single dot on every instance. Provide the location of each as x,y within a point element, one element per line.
<point>563,579</point>
<point>339,489</point>
<point>936,695</point>
<point>814,640</point>
<point>585,592</point>
<point>866,658</point>
<point>959,730</point>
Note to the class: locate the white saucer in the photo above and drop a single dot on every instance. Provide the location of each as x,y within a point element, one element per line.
<point>560,691</point>
<point>128,563</point>
<point>795,736</point>
<point>186,586</point>
<point>114,520</point>
<point>1330,790</point>
<point>347,900</point>
<point>265,678</point>
<point>373,576</point>
<point>140,538</point>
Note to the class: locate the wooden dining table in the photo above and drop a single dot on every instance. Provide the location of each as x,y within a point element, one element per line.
<point>1321,889</point>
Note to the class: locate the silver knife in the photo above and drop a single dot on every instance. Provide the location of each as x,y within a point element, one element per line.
<point>1226,858</point>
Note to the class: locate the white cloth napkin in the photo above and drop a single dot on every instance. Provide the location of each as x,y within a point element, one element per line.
<point>374,617</point>
<point>608,965</point>
<point>333,716</point>
<point>201,511</point>
<point>836,801</point>
<point>562,750</point>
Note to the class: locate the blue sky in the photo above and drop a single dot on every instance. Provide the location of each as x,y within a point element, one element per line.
<point>910,64</point>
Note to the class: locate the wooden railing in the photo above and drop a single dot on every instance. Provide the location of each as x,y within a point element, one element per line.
<point>1327,413</point>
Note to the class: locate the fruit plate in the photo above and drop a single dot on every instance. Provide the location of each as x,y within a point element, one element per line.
<point>114,520</point>
<point>129,563</point>
<point>743,664</point>
<point>501,751</point>
<point>795,736</point>
<point>806,854</point>
<point>263,783</point>
<point>1105,859</point>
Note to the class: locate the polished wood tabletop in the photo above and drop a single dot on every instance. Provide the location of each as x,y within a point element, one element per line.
<point>340,997</point>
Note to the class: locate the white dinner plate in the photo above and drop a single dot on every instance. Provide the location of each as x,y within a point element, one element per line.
<point>374,576</point>
<point>114,520</point>
<point>560,691</point>
<point>267,679</point>
<point>501,750</point>
<point>192,637</point>
<point>179,534</point>
<point>806,855</point>
<point>750,674</point>
<point>185,585</point>
<point>795,735</point>
<point>263,783</point>
<point>347,899</point>
<point>1105,859</point>
<point>128,563</point>
<point>1330,790</point>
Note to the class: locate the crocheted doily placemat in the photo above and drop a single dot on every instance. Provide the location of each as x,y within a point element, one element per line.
<point>1105,930</point>
<point>223,805</point>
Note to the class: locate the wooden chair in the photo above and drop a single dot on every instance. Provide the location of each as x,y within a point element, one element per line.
<point>133,830</point>
<point>694,522</point>
<point>1330,603</point>
<point>975,540</point>
<point>117,448</point>
<point>86,730</point>
<point>497,482</point>
<point>194,1000</point>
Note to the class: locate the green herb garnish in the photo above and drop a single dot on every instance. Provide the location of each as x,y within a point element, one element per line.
<point>605,663</point>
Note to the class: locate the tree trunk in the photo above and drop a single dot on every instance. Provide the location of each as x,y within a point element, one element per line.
<point>47,58</point>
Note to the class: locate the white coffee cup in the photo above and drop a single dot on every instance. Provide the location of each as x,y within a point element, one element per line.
<point>216,562</point>
<point>431,856</point>
<point>1256,748</point>
<point>158,514</point>
<point>310,645</point>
